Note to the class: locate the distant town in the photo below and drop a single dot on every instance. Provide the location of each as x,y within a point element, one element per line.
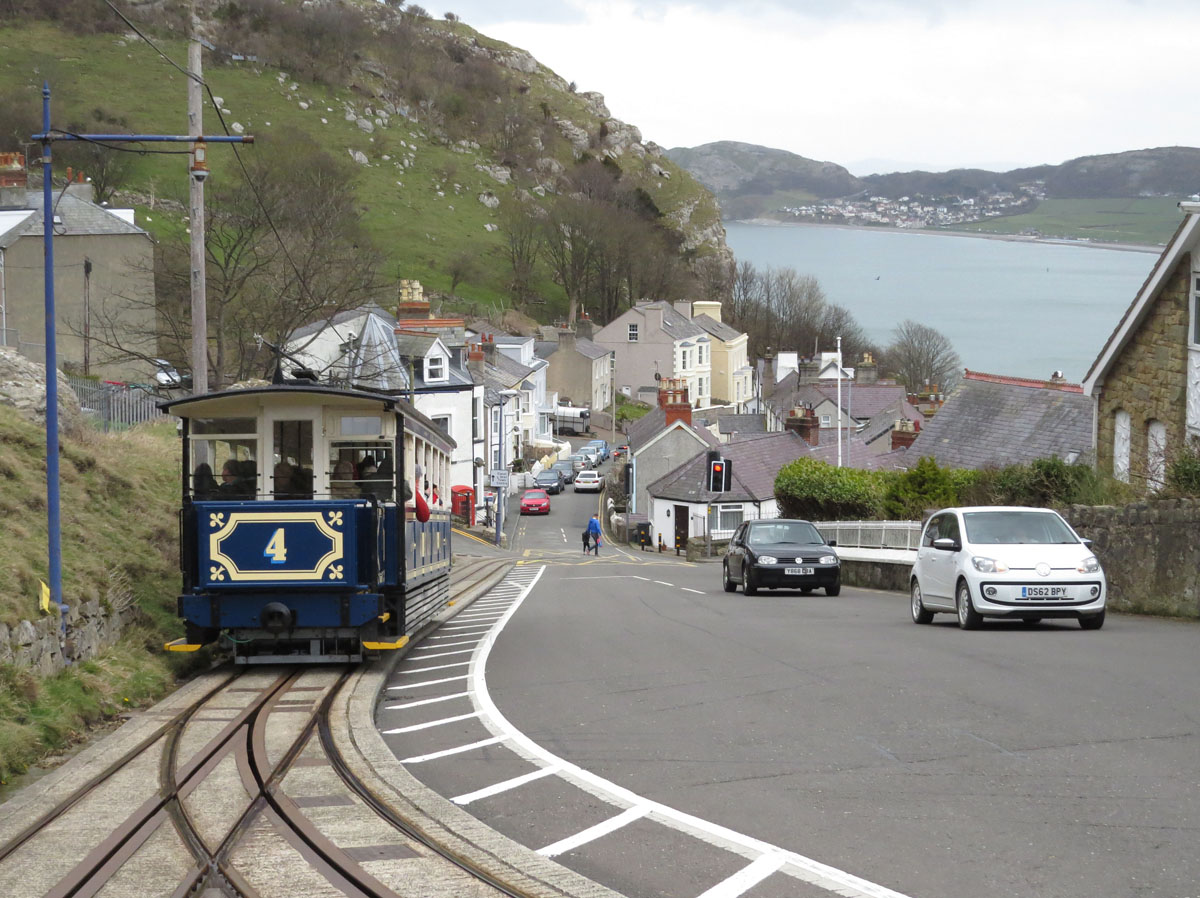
<point>919,211</point>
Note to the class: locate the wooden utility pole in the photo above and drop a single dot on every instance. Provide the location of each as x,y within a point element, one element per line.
<point>196,176</point>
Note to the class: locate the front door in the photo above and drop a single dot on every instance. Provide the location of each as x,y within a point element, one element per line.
<point>681,527</point>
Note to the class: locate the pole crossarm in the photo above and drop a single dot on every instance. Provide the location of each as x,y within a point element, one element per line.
<point>144,138</point>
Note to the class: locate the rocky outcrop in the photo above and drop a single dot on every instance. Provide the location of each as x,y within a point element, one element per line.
<point>23,386</point>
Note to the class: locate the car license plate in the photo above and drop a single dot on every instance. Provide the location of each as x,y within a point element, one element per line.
<point>1043,592</point>
<point>799,571</point>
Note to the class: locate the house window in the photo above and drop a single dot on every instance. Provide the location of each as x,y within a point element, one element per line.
<point>442,423</point>
<point>1156,455</point>
<point>724,519</point>
<point>826,421</point>
<point>633,333</point>
<point>435,368</point>
<point>475,404</point>
<point>1121,445</point>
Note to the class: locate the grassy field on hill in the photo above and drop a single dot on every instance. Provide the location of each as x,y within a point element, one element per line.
<point>1150,220</point>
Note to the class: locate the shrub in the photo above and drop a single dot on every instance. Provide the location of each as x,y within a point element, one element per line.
<point>807,488</point>
<point>1048,482</point>
<point>924,486</point>
<point>1183,471</point>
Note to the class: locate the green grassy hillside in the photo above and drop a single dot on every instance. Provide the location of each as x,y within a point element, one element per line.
<point>1149,220</point>
<point>420,190</point>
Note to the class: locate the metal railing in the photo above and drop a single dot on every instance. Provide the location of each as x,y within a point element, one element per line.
<point>873,534</point>
<point>114,406</point>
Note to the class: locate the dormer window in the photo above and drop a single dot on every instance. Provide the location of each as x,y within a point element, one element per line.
<point>435,368</point>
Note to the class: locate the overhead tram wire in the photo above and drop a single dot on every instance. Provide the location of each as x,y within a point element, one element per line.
<point>237,155</point>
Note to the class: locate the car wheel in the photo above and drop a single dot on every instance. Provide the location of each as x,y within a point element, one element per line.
<point>834,590</point>
<point>729,585</point>
<point>920,614</point>
<point>748,586</point>
<point>968,617</point>
<point>1092,621</point>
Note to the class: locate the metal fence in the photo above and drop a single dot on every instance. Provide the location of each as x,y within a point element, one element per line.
<point>873,534</point>
<point>114,406</point>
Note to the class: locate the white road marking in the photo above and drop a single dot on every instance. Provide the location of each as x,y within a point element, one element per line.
<point>430,682</point>
<point>424,701</point>
<point>603,828</point>
<point>797,865</point>
<point>473,627</point>
<point>663,583</point>
<point>421,670</point>
<point>746,878</point>
<point>419,759</point>
<point>504,786</point>
<point>447,654</point>
<point>426,648</point>
<point>698,592</point>
<point>432,723</point>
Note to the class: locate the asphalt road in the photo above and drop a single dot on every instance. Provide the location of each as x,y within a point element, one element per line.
<point>918,761</point>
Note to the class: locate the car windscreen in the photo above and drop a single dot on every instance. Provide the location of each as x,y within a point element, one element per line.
<point>547,477</point>
<point>795,532</point>
<point>535,494</point>
<point>1006,528</point>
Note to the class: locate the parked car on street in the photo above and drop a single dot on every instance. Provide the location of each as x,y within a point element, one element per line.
<point>620,452</point>
<point>566,468</point>
<point>1010,562</point>
<point>550,481</point>
<point>535,502</point>
<point>602,445</point>
<point>581,462</point>
<point>588,481</point>
<point>782,553</point>
<point>592,454</point>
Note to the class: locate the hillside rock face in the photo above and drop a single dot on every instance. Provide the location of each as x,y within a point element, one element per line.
<point>23,386</point>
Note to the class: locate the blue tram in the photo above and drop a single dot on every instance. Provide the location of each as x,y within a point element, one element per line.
<point>304,535</point>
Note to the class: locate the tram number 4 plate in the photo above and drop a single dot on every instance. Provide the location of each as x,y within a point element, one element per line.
<point>799,571</point>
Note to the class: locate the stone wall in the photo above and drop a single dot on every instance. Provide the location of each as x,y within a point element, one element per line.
<point>1150,552</point>
<point>42,646</point>
<point>1148,379</point>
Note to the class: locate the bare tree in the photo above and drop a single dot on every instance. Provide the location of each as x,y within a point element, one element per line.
<point>523,236</point>
<point>569,245</point>
<point>462,266</point>
<point>920,356</point>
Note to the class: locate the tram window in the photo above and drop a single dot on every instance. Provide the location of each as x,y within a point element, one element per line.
<point>361,468</point>
<point>361,425</point>
<point>224,468</point>
<point>292,476</point>
<point>228,426</point>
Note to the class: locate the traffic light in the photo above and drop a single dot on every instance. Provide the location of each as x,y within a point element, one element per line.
<point>720,475</point>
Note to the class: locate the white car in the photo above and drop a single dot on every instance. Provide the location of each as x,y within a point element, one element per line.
<point>1008,562</point>
<point>587,481</point>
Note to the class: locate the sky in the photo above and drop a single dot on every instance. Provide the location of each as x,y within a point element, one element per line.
<point>875,85</point>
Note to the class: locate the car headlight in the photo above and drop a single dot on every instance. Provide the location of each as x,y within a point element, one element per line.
<point>988,565</point>
<point>1089,565</point>
<point>828,559</point>
<point>767,559</point>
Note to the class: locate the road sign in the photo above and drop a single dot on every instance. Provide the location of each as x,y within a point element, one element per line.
<point>499,478</point>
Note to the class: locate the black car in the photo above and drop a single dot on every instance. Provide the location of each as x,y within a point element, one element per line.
<point>566,469</point>
<point>781,554</point>
<point>550,481</point>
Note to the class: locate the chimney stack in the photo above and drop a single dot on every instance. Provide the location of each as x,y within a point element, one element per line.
<point>768,376</point>
<point>804,422</point>
<point>566,339</point>
<point>489,348</point>
<point>866,372</point>
<point>12,171</point>
<point>708,307</point>
<point>683,307</point>
<point>673,400</point>
<point>904,434</point>
<point>413,303</point>
<point>475,359</point>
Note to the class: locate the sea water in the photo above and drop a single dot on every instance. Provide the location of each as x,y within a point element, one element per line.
<point>1014,307</point>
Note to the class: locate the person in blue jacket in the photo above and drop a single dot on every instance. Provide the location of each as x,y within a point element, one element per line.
<point>593,529</point>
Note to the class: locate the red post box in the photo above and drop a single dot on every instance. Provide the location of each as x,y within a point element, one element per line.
<point>462,503</point>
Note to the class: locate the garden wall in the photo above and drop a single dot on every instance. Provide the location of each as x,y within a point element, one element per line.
<point>42,645</point>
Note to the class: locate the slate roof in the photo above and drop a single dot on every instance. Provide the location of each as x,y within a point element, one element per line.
<point>654,422</point>
<point>756,463</point>
<point>677,325</point>
<point>743,424</point>
<point>79,218</point>
<point>718,329</point>
<point>994,421</point>
<point>863,401</point>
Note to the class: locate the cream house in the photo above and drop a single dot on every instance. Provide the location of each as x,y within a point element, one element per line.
<point>732,376</point>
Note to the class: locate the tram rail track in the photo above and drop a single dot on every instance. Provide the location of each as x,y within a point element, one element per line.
<point>243,791</point>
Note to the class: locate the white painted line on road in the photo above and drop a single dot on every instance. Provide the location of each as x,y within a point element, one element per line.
<point>797,865</point>
<point>428,648</point>
<point>447,654</point>
<point>424,701</point>
<point>432,723</point>
<point>746,878</point>
<point>663,583</point>
<point>418,759</point>
<point>430,682</point>
<point>482,618</point>
<point>472,627</point>
<point>698,592</point>
<point>421,670</point>
<point>595,832</point>
<point>497,788</point>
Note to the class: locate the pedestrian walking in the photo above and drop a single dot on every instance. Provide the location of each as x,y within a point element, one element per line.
<point>593,530</point>
<point>587,540</point>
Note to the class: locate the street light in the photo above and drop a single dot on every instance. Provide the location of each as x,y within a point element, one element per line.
<point>502,489</point>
